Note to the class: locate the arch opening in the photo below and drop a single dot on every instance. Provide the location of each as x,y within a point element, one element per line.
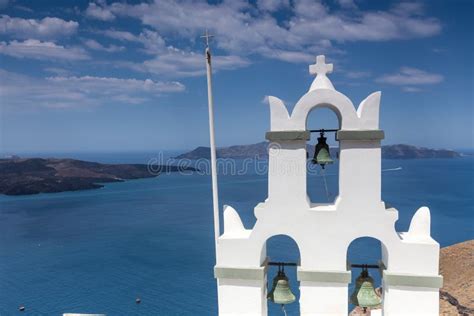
<point>322,185</point>
<point>282,248</point>
<point>365,250</point>
<point>325,108</point>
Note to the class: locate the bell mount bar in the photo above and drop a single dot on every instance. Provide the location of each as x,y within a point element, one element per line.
<point>274,263</point>
<point>294,264</point>
<point>322,130</point>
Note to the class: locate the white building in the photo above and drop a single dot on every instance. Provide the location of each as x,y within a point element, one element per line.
<point>323,232</point>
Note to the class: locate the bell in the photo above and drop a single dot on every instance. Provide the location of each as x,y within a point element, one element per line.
<point>281,291</point>
<point>321,152</point>
<point>364,294</point>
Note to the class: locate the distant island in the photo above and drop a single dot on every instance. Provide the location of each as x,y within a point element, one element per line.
<point>36,175</point>
<point>20,176</point>
<point>259,150</point>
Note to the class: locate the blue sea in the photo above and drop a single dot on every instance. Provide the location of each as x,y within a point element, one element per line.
<point>97,251</point>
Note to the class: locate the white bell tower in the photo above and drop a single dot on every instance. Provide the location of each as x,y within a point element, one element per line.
<point>323,232</point>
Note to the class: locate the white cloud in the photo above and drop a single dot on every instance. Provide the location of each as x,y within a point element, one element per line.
<point>35,49</point>
<point>66,92</point>
<point>171,61</point>
<point>347,4</point>
<point>152,41</point>
<point>408,76</point>
<point>408,8</point>
<point>411,89</point>
<point>47,28</point>
<point>272,5</point>
<point>113,85</point>
<point>288,56</point>
<point>121,35</point>
<point>57,71</point>
<point>98,10</point>
<point>244,29</point>
<point>93,44</point>
<point>312,10</point>
<point>363,26</point>
<point>177,63</point>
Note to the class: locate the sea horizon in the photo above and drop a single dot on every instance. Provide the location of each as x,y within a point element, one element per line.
<point>143,156</point>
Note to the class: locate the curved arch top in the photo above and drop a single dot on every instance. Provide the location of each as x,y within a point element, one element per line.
<point>282,235</point>
<point>366,117</point>
<point>384,244</point>
<point>325,98</point>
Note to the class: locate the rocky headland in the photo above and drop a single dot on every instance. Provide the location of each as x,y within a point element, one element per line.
<point>37,175</point>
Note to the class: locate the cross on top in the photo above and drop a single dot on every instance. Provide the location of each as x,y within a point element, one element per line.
<point>320,68</point>
<point>206,37</point>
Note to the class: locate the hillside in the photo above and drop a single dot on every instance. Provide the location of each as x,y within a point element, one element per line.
<point>37,175</point>
<point>456,265</point>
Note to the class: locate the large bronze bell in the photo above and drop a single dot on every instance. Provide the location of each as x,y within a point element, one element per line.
<point>364,294</point>
<point>321,152</point>
<point>281,291</point>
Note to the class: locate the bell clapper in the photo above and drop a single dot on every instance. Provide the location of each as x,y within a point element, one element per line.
<point>283,309</point>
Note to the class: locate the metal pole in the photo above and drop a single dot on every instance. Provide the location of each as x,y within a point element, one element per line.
<point>215,193</point>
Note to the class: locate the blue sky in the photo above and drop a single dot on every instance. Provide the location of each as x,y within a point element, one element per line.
<point>130,76</point>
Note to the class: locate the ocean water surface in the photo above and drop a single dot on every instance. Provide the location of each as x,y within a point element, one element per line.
<point>97,251</point>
